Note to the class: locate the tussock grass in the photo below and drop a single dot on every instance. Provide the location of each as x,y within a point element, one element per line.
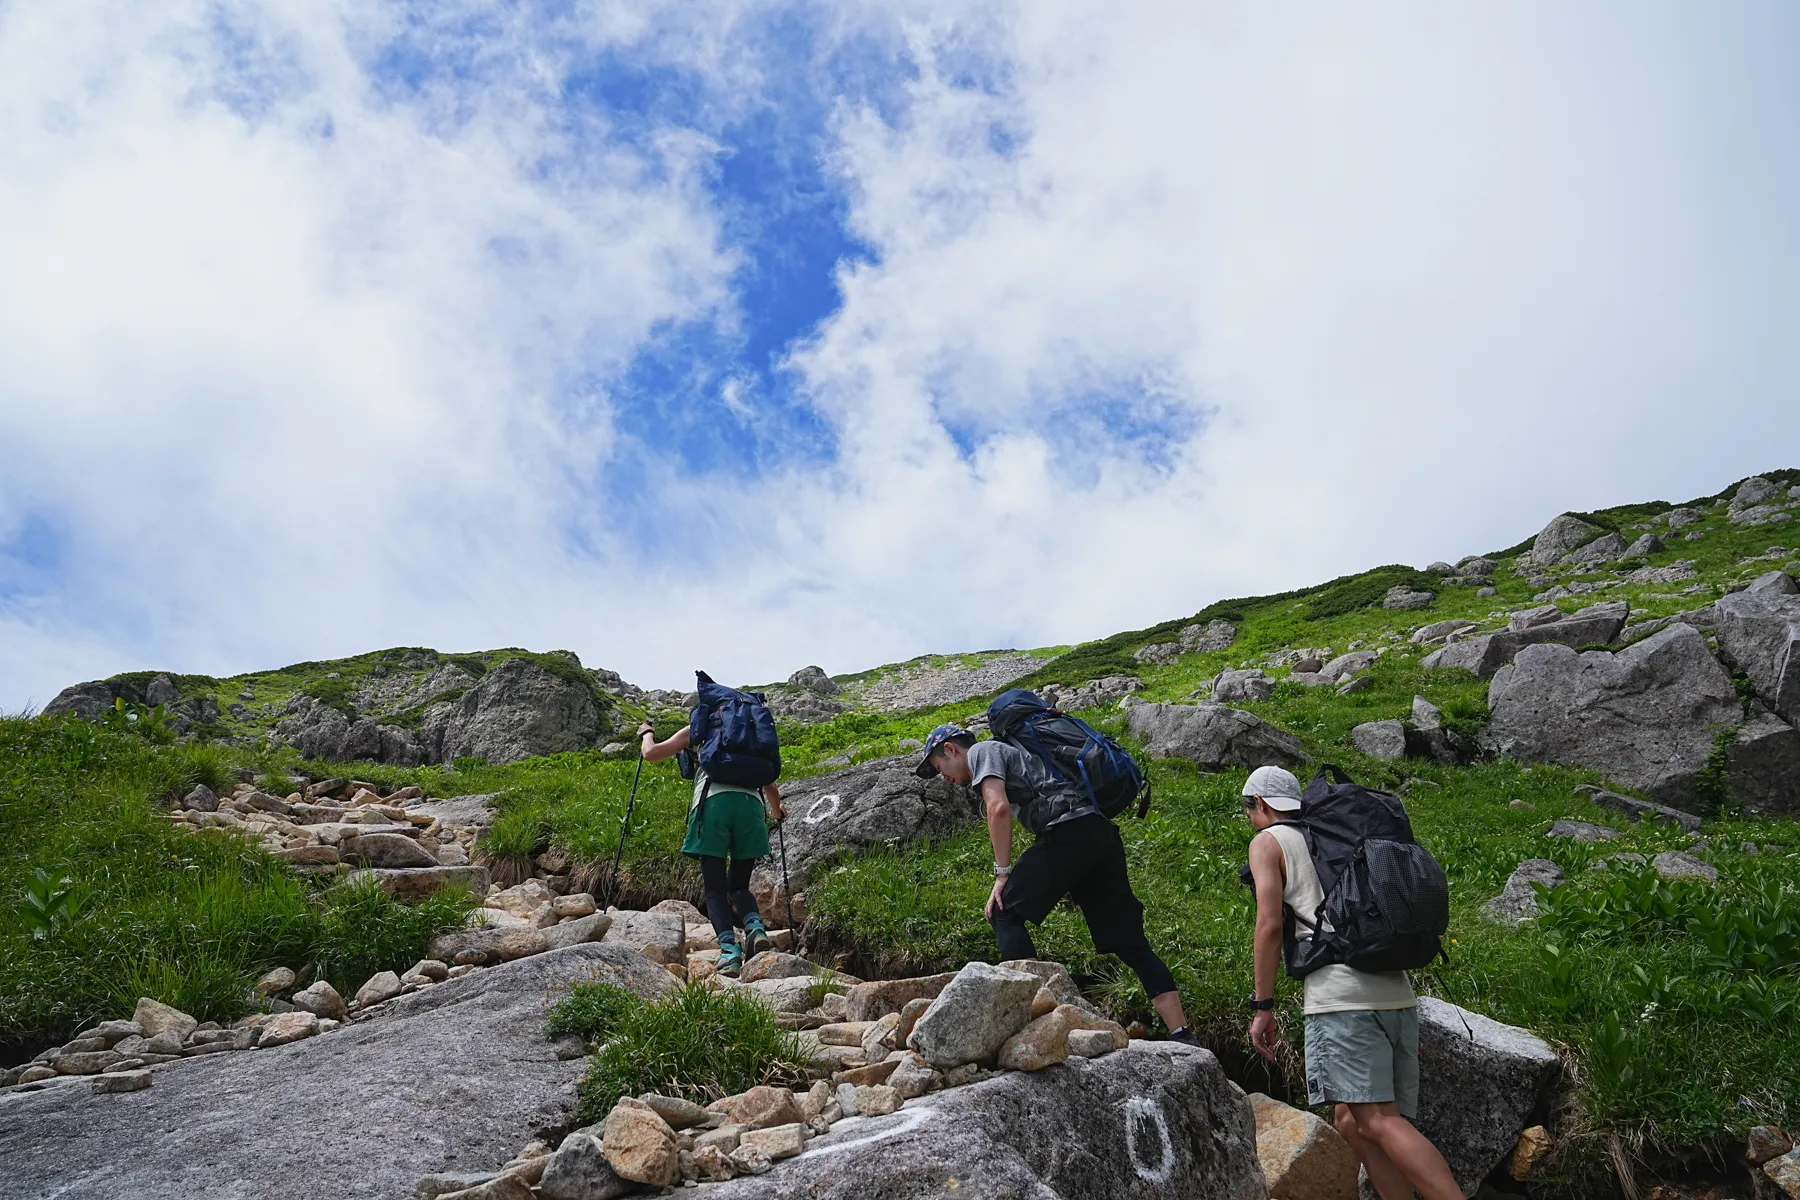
<point>695,1043</point>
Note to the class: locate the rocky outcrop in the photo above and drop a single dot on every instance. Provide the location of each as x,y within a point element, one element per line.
<point>876,803</point>
<point>1763,766</point>
<point>1759,632</point>
<point>89,701</point>
<point>1646,716</point>
<point>1095,693</point>
<point>518,710</point>
<point>1602,549</point>
<point>456,1072</point>
<point>1484,654</point>
<point>1194,639</point>
<point>93,700</point>
<point>1480,1084</point>
<point>321,732</point>
<point>1558,538</point>
<point>1156,1120</point>
<point>1213,735</point>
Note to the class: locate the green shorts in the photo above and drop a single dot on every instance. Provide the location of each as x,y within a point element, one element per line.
<point>1364,1056</point>
<point>735,827</point>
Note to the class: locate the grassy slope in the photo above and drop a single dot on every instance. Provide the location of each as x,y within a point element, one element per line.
<point>191,920</point>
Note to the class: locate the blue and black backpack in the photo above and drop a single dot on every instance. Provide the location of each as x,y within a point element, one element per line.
<point>732,734</point>
<point>1074,751</point>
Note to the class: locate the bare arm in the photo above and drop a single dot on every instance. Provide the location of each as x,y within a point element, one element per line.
<point>655,751</point>
<point>1269,872</point>
<point>999,823</point>
<point>771,795</point>
<point>999,819</point>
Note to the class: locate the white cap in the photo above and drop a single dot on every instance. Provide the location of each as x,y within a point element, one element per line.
<point>1277,787</point>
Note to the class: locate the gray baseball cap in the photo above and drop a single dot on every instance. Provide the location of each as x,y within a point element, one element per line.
<point>1277,787</point>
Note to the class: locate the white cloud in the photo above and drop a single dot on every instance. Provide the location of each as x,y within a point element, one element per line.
<point>1413,281</point>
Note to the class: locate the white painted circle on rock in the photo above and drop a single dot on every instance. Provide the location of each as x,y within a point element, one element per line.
<point>814,816</point>
<point>1143,1116</point>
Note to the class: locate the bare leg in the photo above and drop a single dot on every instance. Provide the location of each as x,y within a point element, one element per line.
<point>1387,1179</point>
<point>1168,1007</point>
<point>1381,1126</point>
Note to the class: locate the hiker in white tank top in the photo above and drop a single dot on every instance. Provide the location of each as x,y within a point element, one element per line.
<point>1362,1028</point>
<point>1333,988</point>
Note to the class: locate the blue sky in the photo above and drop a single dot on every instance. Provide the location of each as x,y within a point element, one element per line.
<point>758,334</point>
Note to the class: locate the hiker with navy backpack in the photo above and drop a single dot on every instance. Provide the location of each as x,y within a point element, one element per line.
<point>1064,782</point>
<point>730,750</point>
<point>1350,902</point>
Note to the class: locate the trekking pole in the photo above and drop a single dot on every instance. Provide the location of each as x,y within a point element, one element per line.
<point>787,892</point>
<point>612,880</point>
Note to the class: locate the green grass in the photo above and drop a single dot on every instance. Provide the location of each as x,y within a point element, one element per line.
<point>696,1043</point>
<point>187,919</point>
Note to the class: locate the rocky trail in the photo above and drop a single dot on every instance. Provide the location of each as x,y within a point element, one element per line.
<point>441,1082</point>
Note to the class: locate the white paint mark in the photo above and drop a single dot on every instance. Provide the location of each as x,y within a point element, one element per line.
<point>814,816</point>
<point>1142,1112</point>
<point>909,1120</point>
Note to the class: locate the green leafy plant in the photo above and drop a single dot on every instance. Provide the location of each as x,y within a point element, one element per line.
<point>51,905</point>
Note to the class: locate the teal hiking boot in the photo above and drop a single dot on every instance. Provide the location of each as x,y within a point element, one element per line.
<point>731,958</point>
<point>757,936</point>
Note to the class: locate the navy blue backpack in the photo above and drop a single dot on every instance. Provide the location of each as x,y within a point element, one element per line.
<point>732,734</point>
<point>1074,751</point>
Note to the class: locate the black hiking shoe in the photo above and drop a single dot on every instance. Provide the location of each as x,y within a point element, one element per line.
<point>1185,1036</point>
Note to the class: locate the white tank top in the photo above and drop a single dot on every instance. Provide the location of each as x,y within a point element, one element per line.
<point>1335,988</point>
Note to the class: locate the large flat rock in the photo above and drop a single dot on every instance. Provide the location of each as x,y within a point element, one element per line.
<point>1215,736</point>
<point>874,804</point>
<point>1646,717</point>
<point>1481,1083</point>
<point>455,1077</point>
<point>1154,1121</point>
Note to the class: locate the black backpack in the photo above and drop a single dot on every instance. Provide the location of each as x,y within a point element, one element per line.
<point>732,734</point>
<point>1387,902</point>
<point>1074,751</point>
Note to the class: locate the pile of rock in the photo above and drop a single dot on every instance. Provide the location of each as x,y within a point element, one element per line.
<point>1096,693</point>
<point>1484,653</point>
<point>335,825</point>
<point>1194,639</point>
<point>894,1041</point>
<point>1424,736</point>
<point>1760,501</point>
<point>1344,672</point>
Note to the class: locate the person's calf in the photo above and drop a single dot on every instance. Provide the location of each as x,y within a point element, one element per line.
<point>1386,1134</point>
<point>1013,937</point>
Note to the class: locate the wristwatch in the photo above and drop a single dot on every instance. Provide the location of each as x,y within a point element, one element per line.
<point>1263,1005</point>
<point>1001,872</point>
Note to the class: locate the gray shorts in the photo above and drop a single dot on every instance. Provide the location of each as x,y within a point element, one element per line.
<point>1365,1056</point>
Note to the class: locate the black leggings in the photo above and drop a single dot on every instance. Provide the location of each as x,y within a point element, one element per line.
<point>728,889</point>
<point>1015,942</point>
